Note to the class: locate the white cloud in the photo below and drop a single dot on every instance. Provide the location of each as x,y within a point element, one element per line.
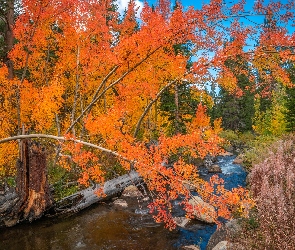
<point>123,5</point>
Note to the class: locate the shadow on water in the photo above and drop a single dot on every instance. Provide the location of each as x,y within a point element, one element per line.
<point>105,226</point>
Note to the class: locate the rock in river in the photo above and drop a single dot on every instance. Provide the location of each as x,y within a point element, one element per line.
<point>231,229</point>
<point>191,247</point>
<point>222,245</point>
<point>181,221</point>
<point>238,159</point>
<point>131,191</point>
<point>214,169</point>
<point>121,203</point>
<point>202,210</point>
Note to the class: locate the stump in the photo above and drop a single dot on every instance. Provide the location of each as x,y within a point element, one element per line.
<point>32,189</point>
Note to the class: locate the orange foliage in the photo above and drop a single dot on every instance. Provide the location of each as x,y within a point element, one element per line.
<point>82,72</point>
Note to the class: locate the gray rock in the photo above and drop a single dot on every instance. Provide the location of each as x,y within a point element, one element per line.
<point>209,160</point>
<point>131,191</point>
<point>181,221</point>
<point>230,229</point>
<point>202,210</point>
<point>191,247</point>
<point>225,245</point>
<point>120,202</point>
<point>226,153</point>
<point>189,186</point>
<point>196,161</point>
<point>222,245</point>
<point>214,169</point>
<point>238,159</point>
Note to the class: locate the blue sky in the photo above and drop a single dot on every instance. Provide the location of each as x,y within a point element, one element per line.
<point>198,4</point>
<point>122,4</point>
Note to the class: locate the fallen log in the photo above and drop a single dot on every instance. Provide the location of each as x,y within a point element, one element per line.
<point>7,202</point>
<point>85,198</point>
<point>78,201</point>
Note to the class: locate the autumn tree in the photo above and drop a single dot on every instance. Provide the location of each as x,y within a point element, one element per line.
<point>87,81</point>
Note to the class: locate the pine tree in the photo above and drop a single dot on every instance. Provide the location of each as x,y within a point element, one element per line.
<point>290,101</point>
<point>236,111</point>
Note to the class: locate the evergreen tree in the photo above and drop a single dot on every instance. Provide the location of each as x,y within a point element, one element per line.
<point>181,110</point>
<point>236,111</point>
<point>290,101</point>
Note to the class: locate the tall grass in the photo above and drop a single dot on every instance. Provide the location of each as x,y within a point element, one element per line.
<point>273,186</point>
<point>272,183</point>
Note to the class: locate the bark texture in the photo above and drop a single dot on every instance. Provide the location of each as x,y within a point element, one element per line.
<point>32,195</point>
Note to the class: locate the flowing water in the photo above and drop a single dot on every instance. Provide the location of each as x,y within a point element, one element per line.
<point>105,226</point>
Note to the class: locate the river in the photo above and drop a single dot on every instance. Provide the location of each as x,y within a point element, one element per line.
<point>105,226</point>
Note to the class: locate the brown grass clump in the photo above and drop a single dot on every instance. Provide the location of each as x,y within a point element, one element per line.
<point>272,184</point>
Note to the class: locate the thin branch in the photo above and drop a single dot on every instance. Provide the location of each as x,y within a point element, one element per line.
<point>104,81</point>
<point>77,87</point>
<point>93,102</point>
<point>149,106</point>
<point>152,102</point>
<point>61,138</point>
<point>93,98</point>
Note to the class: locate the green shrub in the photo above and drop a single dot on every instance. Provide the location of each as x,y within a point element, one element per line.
<point>236,140</point>
<point>64,182</point>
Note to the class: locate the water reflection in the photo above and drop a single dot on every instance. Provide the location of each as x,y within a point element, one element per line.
<point>101,227</point>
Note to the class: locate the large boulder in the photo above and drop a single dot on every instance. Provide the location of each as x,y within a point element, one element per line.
<point>202,210</point>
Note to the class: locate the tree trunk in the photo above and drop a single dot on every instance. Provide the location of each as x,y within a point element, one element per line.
<point>32,187</point>
<point>37,189</point>
<point>8,36</point>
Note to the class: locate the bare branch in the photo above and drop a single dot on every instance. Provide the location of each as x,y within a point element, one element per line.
<point>77,87</point>
<point>61,138</point>
<point>104,81</point>
<point>149,106</point>
<point>152,102</point>
<point>88,108</point>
